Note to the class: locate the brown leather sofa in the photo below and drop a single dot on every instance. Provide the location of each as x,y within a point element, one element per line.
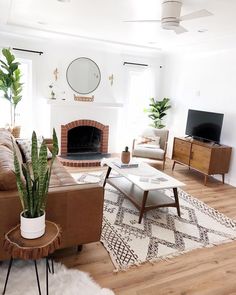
<point>77,208</point>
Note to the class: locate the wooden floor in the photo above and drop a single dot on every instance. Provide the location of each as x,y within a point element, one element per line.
<point>209,271</point>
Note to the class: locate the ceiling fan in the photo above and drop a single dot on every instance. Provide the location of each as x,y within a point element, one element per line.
<point>170,19</point>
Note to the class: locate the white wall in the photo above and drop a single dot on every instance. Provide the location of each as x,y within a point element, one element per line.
<point>59,51</point>
<point>207,82</point>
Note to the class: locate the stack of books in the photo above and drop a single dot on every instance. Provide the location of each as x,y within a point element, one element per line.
<point>122,165</point>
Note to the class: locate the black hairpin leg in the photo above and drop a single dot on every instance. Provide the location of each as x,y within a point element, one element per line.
<point>8,273</point>
<point>52,265</point>
<point>37,276</point>
<point>51,270</point>
<point>47,268</point>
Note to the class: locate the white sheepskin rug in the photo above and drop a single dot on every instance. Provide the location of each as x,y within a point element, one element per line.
<point>64,281</point>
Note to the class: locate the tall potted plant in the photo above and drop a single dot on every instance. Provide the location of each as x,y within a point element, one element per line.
<point>157,110</point>
<point>33,190</point>
<point>10,84</point>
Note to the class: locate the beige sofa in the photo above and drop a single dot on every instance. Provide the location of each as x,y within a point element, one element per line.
<point>77,208</point>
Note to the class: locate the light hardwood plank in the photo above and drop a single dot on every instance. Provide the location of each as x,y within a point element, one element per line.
<point>208,271</point>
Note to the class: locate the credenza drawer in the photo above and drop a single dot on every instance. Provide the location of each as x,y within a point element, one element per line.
<point>200,158</point>
<point>181,151</point>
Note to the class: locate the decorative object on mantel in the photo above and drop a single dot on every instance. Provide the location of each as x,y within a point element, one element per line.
<point>53,95</point>
<point>83,75</point>
<point>111,78</point>
<point>84,98</point>
<point>163,234</point>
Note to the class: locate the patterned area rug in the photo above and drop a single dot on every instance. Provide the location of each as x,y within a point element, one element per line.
<point>162,234</point>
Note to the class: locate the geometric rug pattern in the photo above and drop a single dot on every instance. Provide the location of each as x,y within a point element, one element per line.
<point>162,233</point>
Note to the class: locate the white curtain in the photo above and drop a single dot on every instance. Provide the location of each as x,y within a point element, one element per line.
<point>141,87</point>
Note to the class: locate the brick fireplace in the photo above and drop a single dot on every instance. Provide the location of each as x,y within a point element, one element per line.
<point>70,128</point>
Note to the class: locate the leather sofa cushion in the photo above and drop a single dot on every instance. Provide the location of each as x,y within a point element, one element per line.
<point>6,138</point>
<point>60,176</point>
<point>7,175</point>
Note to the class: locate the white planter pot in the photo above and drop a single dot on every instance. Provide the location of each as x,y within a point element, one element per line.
<point>32,228</point>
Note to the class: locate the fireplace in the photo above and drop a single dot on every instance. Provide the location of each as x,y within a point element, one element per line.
<point>84,136</point>
<point>84,139</point>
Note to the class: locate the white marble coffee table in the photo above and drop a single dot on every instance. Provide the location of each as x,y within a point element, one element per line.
<point>144,186</point>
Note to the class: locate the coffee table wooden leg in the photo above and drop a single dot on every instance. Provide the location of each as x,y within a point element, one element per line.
<point>107,175</point>
<point>145,194</point>
<point>177,200</point>
<point>173,166</point>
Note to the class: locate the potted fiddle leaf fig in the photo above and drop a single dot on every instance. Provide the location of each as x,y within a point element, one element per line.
<point>157,111</point>
<point>10,85</point>
<point>33,188</point>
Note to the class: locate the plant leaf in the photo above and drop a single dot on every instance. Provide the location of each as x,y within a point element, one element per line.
<point>20,185</point>
<point>34,155</point>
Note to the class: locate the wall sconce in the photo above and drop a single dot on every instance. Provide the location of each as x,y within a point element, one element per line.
<point>111,78</point>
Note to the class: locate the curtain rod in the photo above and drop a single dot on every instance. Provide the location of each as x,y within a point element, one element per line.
<point>27,50</point>
<point>134,64</point>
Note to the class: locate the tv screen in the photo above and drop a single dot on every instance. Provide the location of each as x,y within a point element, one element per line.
<point>204,125</point>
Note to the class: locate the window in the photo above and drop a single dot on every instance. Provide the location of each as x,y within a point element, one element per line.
<point>24,107</point>
<point>141,87</point>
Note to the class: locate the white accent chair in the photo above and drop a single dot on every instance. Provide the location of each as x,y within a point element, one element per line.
<point>151,144</point>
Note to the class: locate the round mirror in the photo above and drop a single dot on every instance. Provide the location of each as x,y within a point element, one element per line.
<point>83,75</point>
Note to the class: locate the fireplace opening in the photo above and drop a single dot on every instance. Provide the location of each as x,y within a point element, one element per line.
<point>84,139</point>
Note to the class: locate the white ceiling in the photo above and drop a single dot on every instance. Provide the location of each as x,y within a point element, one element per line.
<point>103,19</point>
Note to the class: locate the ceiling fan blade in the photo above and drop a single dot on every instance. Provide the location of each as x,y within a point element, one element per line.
<point>143,21</point>
<point>196,14</point>
<point>180,30</point>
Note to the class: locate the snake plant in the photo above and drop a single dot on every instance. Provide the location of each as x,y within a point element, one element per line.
<point>33,188</point>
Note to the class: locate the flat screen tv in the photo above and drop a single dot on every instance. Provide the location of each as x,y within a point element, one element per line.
<point>205,126</point>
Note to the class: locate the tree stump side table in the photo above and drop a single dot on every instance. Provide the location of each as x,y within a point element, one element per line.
<point>35,249</point>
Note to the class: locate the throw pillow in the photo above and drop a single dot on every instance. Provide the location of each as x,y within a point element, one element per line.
<point>149,146</point>
<point>149,141</point>
<point>25,146</point>
<point>154,140</point>
<point>142,140</point>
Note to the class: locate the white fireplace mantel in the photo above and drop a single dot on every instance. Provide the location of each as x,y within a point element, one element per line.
<point>60,102</point>
<point>64,111</point>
